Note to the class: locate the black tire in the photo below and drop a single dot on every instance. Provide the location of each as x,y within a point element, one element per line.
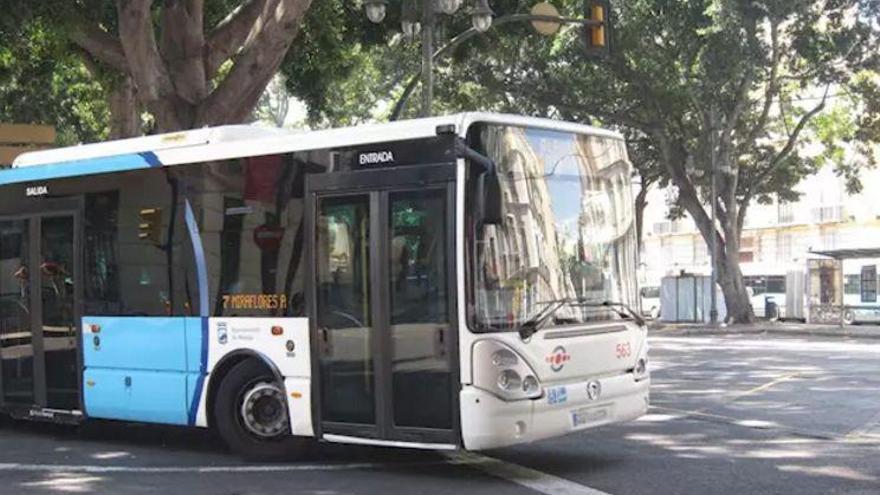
<point>242,378</point>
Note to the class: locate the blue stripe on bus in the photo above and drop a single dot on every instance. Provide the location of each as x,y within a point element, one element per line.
<point>199,254</point>
<point>200,379</point>
<point>74,168</point>
<point>150,158</point>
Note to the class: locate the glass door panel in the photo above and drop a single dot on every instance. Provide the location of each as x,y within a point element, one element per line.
<point>344,315</point>
<point>419,309</point>
<point>58,311</point>
<point>16,335</point>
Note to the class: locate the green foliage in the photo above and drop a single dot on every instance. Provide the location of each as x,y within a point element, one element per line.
<point>42,82</point>
<point>338,65</point>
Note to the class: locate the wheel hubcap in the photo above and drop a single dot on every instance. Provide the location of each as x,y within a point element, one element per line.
<point>264,411</point>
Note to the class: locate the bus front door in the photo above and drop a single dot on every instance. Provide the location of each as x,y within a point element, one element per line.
<point>382,305</point>
<point>38,329</point>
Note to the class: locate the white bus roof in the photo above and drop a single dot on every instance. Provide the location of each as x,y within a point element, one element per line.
<point>229,142</point>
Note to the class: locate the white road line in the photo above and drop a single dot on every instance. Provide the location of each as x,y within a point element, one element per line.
<point>521,475</point>
<point>96,469</point>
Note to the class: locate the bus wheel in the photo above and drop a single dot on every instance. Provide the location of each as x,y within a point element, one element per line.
<point>251,414</point>
<point>849,317</point>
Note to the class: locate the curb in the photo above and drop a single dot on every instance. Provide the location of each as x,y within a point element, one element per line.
<point>823,332</point>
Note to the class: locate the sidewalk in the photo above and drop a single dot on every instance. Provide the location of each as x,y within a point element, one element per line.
<point>766,327</point>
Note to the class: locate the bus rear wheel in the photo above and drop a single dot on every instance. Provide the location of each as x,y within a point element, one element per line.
<point>252,417</point>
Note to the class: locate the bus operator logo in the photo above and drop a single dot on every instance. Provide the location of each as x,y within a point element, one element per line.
<point>558,358</point>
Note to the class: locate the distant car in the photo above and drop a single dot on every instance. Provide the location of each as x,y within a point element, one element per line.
<point>651,301</point>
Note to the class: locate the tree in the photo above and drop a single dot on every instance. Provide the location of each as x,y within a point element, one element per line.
<point>187,63</point>
<point>712,84</point>
<point>66,97</point>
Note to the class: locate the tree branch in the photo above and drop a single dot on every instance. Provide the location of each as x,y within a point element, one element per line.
<point>791,142</point>
<point>99,44</point>
<point>145,65</point>
<point>255,64</point>
<point>231,33</point>
<point>772,84</point>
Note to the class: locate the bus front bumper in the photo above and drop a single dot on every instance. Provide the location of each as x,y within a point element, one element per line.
<point>490,422</point>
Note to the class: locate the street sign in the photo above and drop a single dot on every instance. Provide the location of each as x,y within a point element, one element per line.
<point>546,28</point>
<point>16,139</point>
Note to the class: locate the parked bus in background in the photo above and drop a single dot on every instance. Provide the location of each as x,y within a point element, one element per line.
<point>455,282</point>
<point>767,294</point>
<point>650,299</point>
<point>860,291</point>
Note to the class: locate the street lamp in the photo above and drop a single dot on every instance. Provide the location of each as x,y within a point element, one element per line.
<point>481,16</point>
<point>375,10</point>
<point>412,25</point>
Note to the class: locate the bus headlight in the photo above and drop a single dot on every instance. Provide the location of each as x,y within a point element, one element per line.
<point>530,385</point>
<point>509,380</point>
<point>499,370</point>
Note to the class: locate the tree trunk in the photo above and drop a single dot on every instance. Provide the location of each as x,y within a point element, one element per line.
<point>736,297</point>
<point>125,119</point>
<point>729,276</point>
<point>640,204</point>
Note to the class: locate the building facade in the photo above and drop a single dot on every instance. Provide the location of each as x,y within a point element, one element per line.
<point>776,237</point>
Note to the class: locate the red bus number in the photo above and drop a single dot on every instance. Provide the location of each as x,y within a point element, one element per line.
<point>624,350</point>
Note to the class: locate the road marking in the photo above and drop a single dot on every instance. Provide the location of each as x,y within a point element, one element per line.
<point>521,475</point>
<point>753,424</point>
<point>93,469</point>
<point>867,429</point>
<point>760,388</point>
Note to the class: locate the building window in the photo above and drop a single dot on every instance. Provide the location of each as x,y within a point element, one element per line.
<point>785,213</point>
<point>783,248</point>
<point>869,283</point>
<point>747,250</point>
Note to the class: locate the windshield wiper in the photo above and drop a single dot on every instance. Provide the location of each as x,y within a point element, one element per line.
<point>627,312</point>
<point>533,324</point>
<point>536,322</point>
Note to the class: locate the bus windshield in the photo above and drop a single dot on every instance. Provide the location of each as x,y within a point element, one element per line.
<point>568,230</point>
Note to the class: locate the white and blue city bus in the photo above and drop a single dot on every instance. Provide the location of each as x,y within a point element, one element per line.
<point>454,282</point>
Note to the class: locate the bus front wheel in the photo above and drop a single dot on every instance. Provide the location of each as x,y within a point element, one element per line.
<point>251,414</point>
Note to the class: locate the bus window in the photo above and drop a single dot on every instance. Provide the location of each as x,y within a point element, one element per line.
<point>419,313</point>
<point>852,284</point>
<point>776,284</point>
<point>250,215</point>
<point>135,267</point>
<point>869,283</point>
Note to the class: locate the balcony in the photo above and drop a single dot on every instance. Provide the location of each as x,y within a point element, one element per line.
<point>828,214</point>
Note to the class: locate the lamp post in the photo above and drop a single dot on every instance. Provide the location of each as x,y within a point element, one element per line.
<point>414,23</point>
<point>545,21</point>
<point>713,308</point>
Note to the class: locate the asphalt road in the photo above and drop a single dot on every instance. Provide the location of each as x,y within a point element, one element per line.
<point>731,415</point>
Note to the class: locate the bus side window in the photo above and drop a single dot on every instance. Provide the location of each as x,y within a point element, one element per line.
<point>869,283</point>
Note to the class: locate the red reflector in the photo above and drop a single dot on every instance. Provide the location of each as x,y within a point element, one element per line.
<point>95,328</point>
<point>277,331</point>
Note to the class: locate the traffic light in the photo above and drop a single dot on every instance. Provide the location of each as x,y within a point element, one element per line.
<point>150,225</point>
<point>598,35</point>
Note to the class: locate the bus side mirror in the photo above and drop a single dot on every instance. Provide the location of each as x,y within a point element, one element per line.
<point>490,200</point>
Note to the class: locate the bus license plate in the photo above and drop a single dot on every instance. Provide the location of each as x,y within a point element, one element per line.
<point>589,415</point>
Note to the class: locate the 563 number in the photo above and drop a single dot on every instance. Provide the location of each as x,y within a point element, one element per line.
<point>623,350</point>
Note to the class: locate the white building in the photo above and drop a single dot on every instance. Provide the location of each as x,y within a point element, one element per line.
<point>776,237</point>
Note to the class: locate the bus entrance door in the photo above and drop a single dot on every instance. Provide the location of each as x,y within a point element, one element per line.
<point>382,305</point>
<point>38,290</point>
